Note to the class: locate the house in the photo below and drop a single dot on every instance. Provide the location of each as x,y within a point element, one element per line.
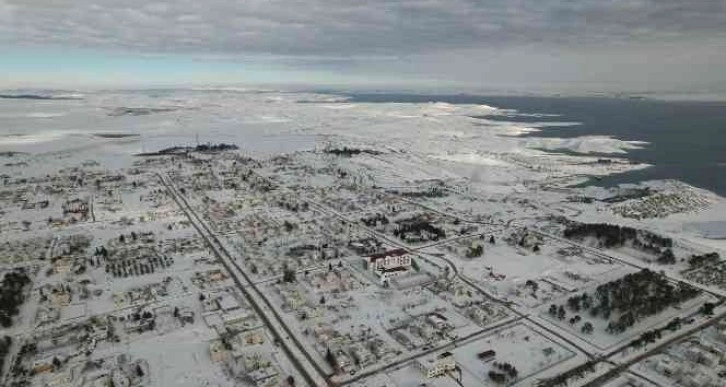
<point>343,360</point>
<point>236,317</point>
<point>702,354</point>
<point>363,356</point>
<point>421,329</point>
<point>63,265</point>
<point>98,331</point>
<point>54,379</point>
<point>695,379</point>
<point>480,314</point>
<point>437,320</point>
<point>434,366</point>
<point>217,352</point>
<point>120,379</point>
<point>133,325</point>
<point>47,315</point>
<point>254,337</point>
<point>293,299</point>
<point>253,366</point>
<point>721,331</point>
<point>227,302</point>
<point>667,367</point>
<point>43,365</point>
<point>186,316</point>
<point>365,245</point>
<point>60,298</point>
<point>217,275</point>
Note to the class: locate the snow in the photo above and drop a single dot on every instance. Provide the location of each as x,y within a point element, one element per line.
<point>492,178</point>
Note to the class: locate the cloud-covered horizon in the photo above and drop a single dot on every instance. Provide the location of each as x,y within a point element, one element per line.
<point>347,34</point>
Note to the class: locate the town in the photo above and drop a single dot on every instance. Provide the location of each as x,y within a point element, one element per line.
<point>205,266</point>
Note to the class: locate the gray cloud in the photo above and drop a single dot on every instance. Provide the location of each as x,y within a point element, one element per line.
<point>345,27</point>
<point>573,44</point>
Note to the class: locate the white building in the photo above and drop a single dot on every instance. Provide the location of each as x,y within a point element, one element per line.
<point>668,367</point>
<point>438,365</point>
<point>389,260</point>
<point>227,302</point>
<point>390,264</point>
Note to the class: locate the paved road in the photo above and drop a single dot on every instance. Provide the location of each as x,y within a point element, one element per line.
<point>619,367</point>
<point>454,272</point>
<point>296,352</point>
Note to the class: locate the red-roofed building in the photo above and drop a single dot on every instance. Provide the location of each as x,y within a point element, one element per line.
<point>389,264</point>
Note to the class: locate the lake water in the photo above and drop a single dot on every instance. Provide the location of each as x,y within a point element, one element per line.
<point>687,140</point>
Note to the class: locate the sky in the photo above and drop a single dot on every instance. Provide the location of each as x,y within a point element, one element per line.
<point>568,46</point>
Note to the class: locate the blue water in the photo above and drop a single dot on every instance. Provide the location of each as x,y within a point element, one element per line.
<point>687,140</point>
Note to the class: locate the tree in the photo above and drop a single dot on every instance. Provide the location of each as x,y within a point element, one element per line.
<point>587,328</point>
<point>139,371</point>
<point>330,358</point>
<point>491,239</point>
<point>497,377</point>
<point>291,381</point>
<point>288,275</point>
<point>707,308</point>
<point>667,257</point>
<point>553,310</point>
<point>561,313</point>
<point>414,265</point>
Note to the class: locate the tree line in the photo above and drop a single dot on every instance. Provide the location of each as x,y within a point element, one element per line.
<point>633,297</point>
<point>11,295</point>
<point>611,235</point>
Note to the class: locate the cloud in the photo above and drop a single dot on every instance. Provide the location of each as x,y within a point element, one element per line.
<point>519,44</point>
<point>351,27</point>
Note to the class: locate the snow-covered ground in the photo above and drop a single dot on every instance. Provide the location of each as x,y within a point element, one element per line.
<point>318,183</point>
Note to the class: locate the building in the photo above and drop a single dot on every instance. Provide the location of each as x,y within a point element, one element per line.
<point>695,379</point>
<point>434,366</point>
<point>217,352</point>
<point>43,365</point>
<point>227,302</point>
<point>387,274</point>
<point>254,337</point>
<point>437,320</point>
<point>389,260</point>
<point>75,206</point>
<point>60,298</point>
<point>487,355</point>
<point>701,355</point>
<point>363,356</point>
<point>668,367</point>
<point>390,264</point>
<point>254,367</point>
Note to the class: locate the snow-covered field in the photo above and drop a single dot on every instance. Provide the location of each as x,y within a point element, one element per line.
<point>206,268</point>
